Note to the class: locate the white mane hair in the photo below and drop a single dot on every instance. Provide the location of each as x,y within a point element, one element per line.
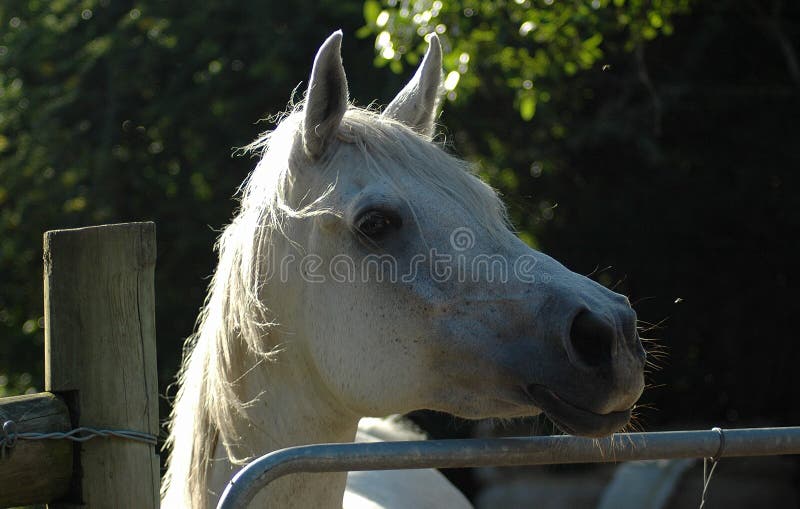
<point>232,332</point>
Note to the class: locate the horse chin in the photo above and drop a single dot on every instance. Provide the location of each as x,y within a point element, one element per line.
<point>575,420</point>
<point>491,408</point>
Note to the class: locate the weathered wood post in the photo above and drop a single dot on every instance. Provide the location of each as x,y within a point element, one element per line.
<point>35,471</point>
<point>100,355</point>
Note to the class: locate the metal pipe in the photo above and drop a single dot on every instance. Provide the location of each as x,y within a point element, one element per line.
<point>714,443</point>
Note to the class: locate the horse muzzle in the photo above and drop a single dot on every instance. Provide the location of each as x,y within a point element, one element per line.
<point>600,375</point>
<point>573,419</point>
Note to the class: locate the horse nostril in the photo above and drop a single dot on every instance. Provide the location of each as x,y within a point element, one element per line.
<point>592,339</point>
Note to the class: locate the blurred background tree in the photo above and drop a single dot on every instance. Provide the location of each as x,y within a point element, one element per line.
<point>651,144</point>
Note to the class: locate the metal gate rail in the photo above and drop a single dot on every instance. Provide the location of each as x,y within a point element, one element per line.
<point>714,443</point>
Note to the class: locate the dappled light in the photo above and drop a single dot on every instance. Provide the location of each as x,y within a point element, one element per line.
<point>649,145</point>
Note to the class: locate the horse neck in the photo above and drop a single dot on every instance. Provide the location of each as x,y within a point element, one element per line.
<point>291,406</point>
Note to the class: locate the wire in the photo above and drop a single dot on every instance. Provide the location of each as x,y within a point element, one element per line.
<point>82,434</point>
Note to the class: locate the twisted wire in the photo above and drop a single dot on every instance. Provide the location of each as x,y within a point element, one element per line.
<point>10,435</point>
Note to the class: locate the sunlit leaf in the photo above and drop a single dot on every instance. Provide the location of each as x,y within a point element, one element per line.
<point>527,106</point>
<point>372,9</point>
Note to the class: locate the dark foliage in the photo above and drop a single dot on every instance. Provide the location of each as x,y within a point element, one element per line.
<point>665,168</point>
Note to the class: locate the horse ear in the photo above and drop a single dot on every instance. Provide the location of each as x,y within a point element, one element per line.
<point>415,105</point>
<point>326,99</point>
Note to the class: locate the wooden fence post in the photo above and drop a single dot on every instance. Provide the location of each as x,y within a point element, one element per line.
<point>34,471</point>
<point>100,354</point>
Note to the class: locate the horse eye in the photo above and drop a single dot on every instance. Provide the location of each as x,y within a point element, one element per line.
<point>374,223</point>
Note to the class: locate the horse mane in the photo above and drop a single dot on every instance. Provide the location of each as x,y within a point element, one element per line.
<point>232,329</point>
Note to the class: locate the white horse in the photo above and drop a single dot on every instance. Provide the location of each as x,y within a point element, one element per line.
<point>367,273</point>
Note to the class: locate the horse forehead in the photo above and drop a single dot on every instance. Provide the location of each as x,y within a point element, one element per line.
<point>356,173</point>
<point>355,182</point>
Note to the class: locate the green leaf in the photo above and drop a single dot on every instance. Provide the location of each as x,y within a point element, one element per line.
<point>371,10</point>
<point>364,32</point>
<point>527,107</point>
<point>396,66</point>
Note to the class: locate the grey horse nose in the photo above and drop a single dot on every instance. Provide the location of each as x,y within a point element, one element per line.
<point>592,339</point>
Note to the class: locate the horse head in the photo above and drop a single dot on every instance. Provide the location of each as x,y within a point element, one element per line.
<point>400,282</point>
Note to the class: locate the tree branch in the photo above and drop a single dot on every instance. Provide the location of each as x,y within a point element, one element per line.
<point>644,77</point>
<point>771,24</point>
